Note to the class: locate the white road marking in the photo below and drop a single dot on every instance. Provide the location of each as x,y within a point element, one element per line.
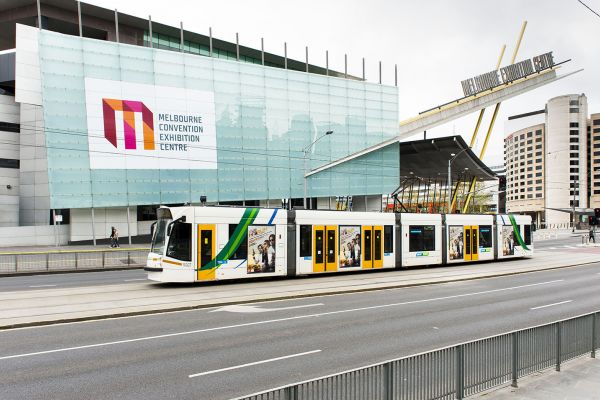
<point>37,286</point>
<point>552,248</point>
<point>436,328</point>
<point>131,280</point>
<point>570,247</point>
<point>550,305</point>
<point>269,321</point>
<point>240,308</point>
<point>254,363</point>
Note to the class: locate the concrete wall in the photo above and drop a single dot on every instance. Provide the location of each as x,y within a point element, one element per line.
<point>9,177</point>
<point>11,237</point>
<point>104,219</point>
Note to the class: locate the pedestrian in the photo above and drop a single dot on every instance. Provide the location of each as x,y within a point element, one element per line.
<point>114,237</point>
<point>592,235</point>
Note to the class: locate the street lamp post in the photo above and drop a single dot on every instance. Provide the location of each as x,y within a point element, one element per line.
<point>305,151</point>
<point>450,161</point>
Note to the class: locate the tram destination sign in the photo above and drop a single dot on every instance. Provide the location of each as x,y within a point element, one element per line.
<point>507,74</point>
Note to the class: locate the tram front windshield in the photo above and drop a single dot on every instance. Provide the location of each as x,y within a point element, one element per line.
<point>160,235</point>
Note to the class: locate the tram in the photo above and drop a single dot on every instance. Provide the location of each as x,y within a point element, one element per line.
<point>199,244</point>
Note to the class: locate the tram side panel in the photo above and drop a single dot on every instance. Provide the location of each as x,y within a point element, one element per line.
<point>514,236</point>
<point>421,242</point>
<point>469,238</point>
<point>333,241</point>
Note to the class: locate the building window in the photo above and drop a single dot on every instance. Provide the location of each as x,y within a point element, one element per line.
<point>596,191</point>
<point>596,122</point>
<point>538,181</point>
<point>10,127</point>
<point>573,140</point>
<point>574,132</point>
<point>574,170</point>
<point>574,124</point>
<point>538,174</point>
<point>574,147</point>
<point>574,110</point>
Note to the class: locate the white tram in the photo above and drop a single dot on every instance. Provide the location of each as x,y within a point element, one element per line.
<point>191,244</point>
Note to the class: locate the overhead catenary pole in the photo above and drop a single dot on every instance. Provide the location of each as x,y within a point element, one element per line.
<point>262,51</point>
<point>237,46</point>
<point>327,62</point>
<point>285,55</point>
<point>493,121</point>
<point>306,58</point>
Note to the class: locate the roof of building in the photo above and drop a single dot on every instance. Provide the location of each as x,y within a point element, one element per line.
<point>125,20</point>
<point>428,158</point>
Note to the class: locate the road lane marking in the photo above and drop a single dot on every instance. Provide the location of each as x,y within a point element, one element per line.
<point>241,308</point>
<point>253,363</point>
<point>37,286</point>
<point>550,305</point>
<point>138,279</point>
<point>269,321</point>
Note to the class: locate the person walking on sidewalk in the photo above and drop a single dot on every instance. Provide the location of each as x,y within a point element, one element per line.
<point>592,237</point>
<point>114,237</point>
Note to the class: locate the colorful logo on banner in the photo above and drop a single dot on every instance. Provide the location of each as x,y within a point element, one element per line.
<point>129,108</point>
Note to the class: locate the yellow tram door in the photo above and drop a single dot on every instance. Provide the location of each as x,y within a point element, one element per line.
<point>367,247</point>
<point>475,243</point>
<point>331,249</point>
<point>467,243</point>
<point>378,247</point>
<point>318,256</point>
<point>206,251</point>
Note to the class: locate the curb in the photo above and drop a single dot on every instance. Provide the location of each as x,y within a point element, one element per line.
<point>283,297</point>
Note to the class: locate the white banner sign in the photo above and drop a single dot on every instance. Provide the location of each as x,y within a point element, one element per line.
<point>138,126</point>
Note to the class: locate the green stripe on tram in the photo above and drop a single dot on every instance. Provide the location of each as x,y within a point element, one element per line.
<point>517,232</point>
<point>239,234</point>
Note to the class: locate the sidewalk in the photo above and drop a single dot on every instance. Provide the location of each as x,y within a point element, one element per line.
<point>70,248</point>
<point>39,307</point>
<point>579,379</point>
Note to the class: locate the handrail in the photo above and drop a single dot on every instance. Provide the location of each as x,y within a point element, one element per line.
<point>17,253</point>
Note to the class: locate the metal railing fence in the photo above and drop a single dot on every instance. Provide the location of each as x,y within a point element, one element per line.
<point>71,260</point>
<point>457,371</point>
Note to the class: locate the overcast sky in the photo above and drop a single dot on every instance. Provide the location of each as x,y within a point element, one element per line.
<point>436,43</point>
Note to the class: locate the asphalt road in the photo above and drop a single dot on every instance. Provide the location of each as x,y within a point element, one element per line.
<point>236,350</point>
<point>71,280</point>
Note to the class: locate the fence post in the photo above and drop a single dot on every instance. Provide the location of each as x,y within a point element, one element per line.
<point>76,260</point>
<point>388,380</point>
<point>515,359</point>
<point>16,263</point>
<point>290,393</point>
<point>128,258</point>
<point>103,259</point>
<point>558,327</point>
<point>593,355</point>
<point>47,261</point>
<point>460,373</point>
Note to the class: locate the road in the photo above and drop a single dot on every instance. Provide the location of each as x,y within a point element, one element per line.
<point>69,280</point>
<point>236,350</point>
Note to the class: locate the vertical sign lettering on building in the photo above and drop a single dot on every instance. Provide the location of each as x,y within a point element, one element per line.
<point>139,126</point>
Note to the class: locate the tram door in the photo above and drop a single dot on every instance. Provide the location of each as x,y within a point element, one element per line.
<point>206,252</point>
<point>471,235</point>
<point>372,247</point>
<point>324,248</point>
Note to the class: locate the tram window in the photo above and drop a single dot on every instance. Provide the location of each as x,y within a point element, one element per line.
<point>527,234</point>
<point>305,240</point>
<point>242,251</point>
<point>485,236</point>
<point>180,242</point>
<point>388,239</point>
<point>421,238</point>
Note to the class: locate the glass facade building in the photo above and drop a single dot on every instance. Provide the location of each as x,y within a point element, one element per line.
<point>264,118</point>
